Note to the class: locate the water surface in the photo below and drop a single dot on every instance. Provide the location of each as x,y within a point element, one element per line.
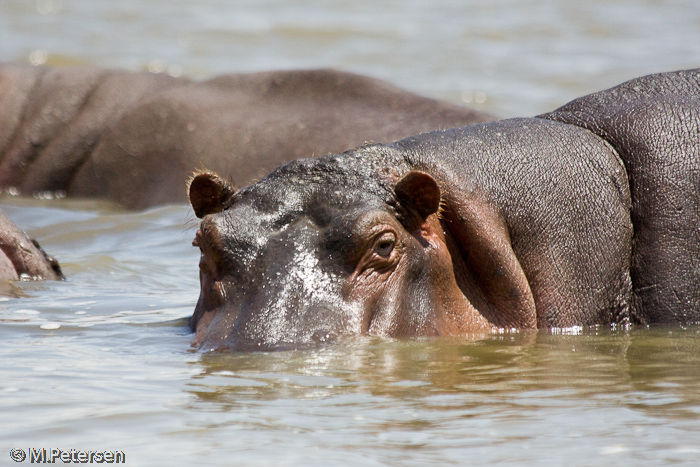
<point>103,360</point>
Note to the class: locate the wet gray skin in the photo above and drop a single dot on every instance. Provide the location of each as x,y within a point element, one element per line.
<point>275,261</point>
<point>318,249</point>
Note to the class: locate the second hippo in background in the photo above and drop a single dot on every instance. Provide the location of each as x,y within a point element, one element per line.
<point>135,138</point>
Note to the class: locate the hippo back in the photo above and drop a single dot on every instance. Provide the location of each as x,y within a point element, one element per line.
<point>136,137</point>
<point>654,124</point>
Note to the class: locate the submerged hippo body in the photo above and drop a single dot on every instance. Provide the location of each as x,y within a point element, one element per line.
<point>135,138</point>
<point>523,223</point>
<point>21,257</point>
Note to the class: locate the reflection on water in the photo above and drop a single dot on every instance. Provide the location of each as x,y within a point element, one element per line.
<point>524,396</point>
<point>613,364</point>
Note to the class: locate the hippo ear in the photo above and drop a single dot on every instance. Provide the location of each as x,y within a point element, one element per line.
<point>209,193</point>
<point>419,192</point>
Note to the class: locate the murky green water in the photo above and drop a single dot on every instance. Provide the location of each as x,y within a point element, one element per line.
<point>102,361</point>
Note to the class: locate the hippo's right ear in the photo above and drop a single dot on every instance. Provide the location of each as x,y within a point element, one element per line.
<point>420,193</point>
<point>209,193</point>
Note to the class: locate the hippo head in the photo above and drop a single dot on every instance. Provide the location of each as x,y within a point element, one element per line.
<point>324,247</point>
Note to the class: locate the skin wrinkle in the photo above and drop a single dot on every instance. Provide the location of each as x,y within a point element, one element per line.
<point>514,214</point>
<point>52,185</point>
<point>43,121</point>
<point>60,161</point>
<point>653,124</point>
<point>23,111</point>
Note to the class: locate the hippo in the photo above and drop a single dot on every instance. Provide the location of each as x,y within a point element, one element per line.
<point>584,216</point>
<point>136,137</point>
<point>21,257</point>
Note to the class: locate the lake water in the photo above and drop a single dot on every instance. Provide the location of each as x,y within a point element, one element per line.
<point>103,361</point>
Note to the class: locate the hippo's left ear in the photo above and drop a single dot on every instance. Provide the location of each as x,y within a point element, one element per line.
<point>420,193</point>
<point>209,193</point>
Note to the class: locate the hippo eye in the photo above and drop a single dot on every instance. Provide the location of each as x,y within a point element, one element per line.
<point>384,245</point>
